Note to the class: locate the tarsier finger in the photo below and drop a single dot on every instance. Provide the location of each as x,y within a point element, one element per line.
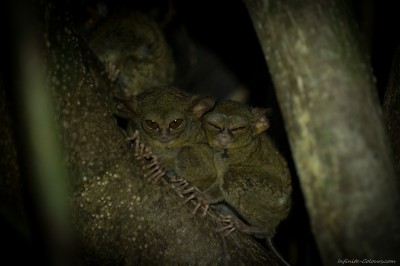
<point>188,199</point>
<point>152,165</point>
<point>189,190</point>
<point>198,205</point>
<point>156,176</point>
<point>148,153</point>
<point>206,207</point>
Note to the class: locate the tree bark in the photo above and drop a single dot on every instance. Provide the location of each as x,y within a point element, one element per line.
<point>334,122</point>
<point>391,109</point>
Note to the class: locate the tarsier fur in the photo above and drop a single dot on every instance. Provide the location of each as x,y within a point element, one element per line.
<point>250,175</point>
<point>134,51</point>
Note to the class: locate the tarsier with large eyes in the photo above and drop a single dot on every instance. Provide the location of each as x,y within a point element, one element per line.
<point>134,51</point>
<point>167,120</point>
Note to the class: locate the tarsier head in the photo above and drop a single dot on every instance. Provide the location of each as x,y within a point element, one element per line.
<point>233,125</point>
<point>166,114</point>
<point>135,45</point>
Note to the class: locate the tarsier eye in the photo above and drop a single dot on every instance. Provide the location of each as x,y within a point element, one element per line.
<point>237,129</point>
<point>175,124</point>
<point>152,124</point>
<point>213,125</point>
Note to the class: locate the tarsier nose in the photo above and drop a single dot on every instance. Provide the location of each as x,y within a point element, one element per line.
<point>164,133</point>
<point>224,138</point>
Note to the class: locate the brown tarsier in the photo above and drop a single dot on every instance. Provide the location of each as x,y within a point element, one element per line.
<point>167,119</point>
<point>134,51</point>
<point>251,177</point>
<point>252,184</point>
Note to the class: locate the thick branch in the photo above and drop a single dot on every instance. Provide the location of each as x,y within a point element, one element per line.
<point>327,96</point>
<point>391,109</point>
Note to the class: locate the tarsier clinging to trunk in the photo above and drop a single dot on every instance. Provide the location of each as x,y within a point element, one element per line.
<point>252,184</point>
<point>251,177</point>
<point>232,164</point>
<point>135,53</point>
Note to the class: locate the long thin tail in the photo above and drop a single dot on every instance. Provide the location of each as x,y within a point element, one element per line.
<point>273,249</point>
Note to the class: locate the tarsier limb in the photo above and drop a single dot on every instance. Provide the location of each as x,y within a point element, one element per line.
<point>255,179</point>
<point>152,169</point>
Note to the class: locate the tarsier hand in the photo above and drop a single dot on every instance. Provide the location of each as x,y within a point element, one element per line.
<point>111,71</point>
<point>153,170</point>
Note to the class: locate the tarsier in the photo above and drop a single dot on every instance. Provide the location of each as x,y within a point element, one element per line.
<point>134,51</point>
<point>248,168</point>
<point>166,119</point>
<point>252,183</point>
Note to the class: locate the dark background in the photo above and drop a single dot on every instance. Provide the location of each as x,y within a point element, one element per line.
<point>222,31</point>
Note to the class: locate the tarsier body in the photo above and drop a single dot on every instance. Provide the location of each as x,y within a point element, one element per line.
<point>245,177</point>
<point>133,48</point>
<point>250,176</point>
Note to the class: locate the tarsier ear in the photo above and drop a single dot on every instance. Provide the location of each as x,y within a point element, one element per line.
<point>261,122</point>
<point>201,104</point>
<point>126,104</point>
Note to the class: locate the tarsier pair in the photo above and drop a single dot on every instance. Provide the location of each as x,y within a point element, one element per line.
<point>217,153</point>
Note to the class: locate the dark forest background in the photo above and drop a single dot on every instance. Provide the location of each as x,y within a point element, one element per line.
<point>224,29</point>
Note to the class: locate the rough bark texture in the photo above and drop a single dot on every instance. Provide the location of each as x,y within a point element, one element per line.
<point>391,109</point>
<point>120,219</point>
<point>328,99</point>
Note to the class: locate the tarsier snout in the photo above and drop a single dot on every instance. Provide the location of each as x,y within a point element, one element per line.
<point>224,137</point>
<point>164,134</point>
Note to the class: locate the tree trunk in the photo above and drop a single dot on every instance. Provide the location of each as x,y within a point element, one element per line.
<point>329,103</point>
<point>391,109</point>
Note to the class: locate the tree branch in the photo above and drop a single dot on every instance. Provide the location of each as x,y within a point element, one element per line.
<point>328,99</point>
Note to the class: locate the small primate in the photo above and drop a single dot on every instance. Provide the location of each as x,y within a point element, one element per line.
<point>135,53</point>
<point>252,184</point>
<point>167,119</point>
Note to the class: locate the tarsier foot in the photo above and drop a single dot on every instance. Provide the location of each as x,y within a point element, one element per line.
<point>234,224</point>
<point>179,184</point>
<point>228,229</point>
<point>195,194</point>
